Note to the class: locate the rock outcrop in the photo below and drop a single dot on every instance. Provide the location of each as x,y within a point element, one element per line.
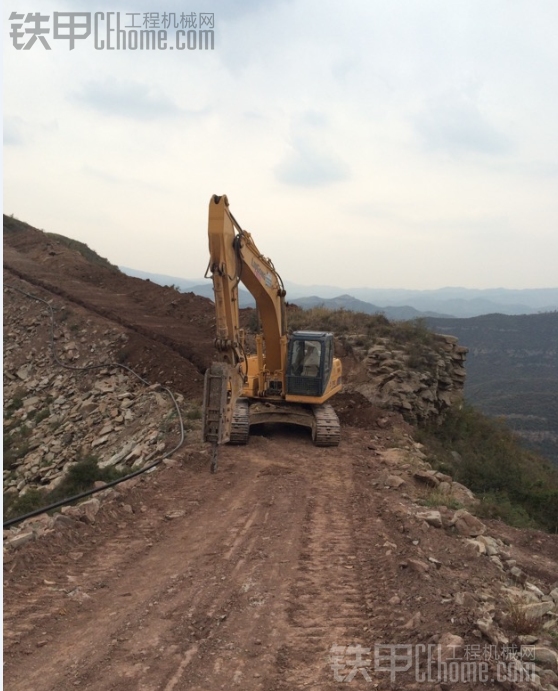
<point>420,383</point>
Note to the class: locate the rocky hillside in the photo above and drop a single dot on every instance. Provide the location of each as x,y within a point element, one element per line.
<point>170,334</point>
<point>87,407</point>
<point>55,417</point>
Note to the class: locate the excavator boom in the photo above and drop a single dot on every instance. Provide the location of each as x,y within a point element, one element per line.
<point>234,258</point>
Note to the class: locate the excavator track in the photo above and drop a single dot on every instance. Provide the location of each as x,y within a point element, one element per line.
<point>240,429</point>
<point>327,431</point>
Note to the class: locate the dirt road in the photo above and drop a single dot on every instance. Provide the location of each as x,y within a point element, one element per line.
<point>249,588</point>
<point>244,579</point>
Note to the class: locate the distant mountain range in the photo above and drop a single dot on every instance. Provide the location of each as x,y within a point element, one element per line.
<point>348,302</point>
<point>512,371</point>
<point>394,303</point>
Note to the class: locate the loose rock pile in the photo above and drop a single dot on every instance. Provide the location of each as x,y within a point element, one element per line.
<point>514,618</point>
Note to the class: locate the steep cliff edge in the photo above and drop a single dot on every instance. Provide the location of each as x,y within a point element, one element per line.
<point>512,372</point>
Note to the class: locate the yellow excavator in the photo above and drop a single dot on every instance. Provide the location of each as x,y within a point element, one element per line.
<point>291,377</point>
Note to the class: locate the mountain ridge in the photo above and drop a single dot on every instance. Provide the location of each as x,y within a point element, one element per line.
<point>395,303</point>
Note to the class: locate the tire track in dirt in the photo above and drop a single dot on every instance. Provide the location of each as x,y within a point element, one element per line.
<point>326,602</point>
<point>114,555</point>
<point>249,589</point>
<point>243,609</point>
<point>205,569</point>
<point>100,575</point>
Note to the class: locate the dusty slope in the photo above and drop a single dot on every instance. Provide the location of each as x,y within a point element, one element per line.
<point>182,325</point>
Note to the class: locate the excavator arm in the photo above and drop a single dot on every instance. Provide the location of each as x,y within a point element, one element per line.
<point>234,259</point>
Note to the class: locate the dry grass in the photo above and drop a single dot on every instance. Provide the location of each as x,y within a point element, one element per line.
<point>435,497</point>
<point>519,622</point>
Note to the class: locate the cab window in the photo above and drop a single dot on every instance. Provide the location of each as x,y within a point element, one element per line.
<point>306,358</point>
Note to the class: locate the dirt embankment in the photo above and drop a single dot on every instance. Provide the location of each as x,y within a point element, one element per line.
<point>170,333</point>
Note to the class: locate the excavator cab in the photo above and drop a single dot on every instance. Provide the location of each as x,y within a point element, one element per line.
<point>309,363</point>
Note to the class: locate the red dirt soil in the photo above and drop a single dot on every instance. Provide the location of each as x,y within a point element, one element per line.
<point>171,333</point>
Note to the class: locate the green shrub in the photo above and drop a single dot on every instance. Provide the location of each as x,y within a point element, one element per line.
<point>15,447</point>
<point>16,402</point>
<point>515,484</point>
<point>79,478</point>
<point>194,413</point>
<point>499,506</point>
<point>42,415</point>
<point>435,497</point>
<point>19,506</point>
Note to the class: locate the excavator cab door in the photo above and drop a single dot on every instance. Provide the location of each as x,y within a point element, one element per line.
<point>310,359</point>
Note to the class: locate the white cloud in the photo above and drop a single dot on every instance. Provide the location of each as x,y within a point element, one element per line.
<point>311,160</point>
<point>454,124</point>
<point>379,136</point>
<point>128,99</point>
<point>12,134</point>
<point>307,165</point>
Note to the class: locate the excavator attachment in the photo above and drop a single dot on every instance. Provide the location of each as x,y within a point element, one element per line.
<point>216,411</point>
<point>223,412</point>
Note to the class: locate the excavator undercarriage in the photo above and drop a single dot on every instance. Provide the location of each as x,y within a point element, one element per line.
<point>218,409</point>
<point>321,419</point>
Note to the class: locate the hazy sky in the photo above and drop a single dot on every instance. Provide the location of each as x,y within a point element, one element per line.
<point>387,143</point>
